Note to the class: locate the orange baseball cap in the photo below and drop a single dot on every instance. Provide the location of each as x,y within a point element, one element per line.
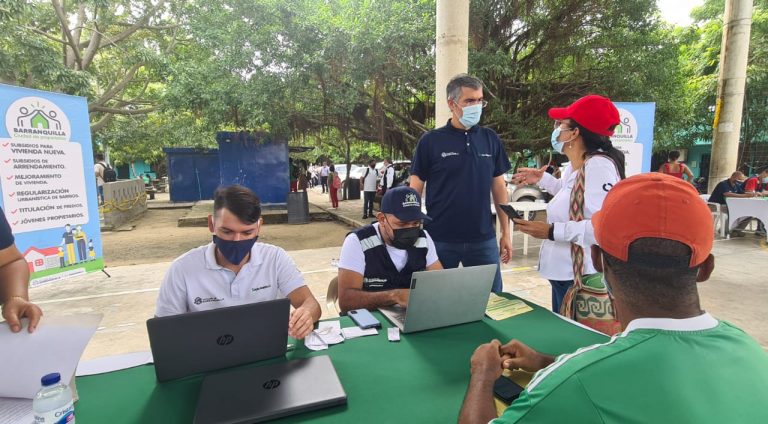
<point>654,205</point>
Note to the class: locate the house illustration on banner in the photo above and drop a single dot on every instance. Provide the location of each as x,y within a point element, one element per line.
<point>38,118</point>
<point>42,259</point>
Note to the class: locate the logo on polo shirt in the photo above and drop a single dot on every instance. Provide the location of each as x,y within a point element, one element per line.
<point>485,155</point>
<point>411,200</point>
<point>446,154</point>
<point>375,280</point>
<point>255,289</point>
<point>201,300</point>
<point>374,283</point>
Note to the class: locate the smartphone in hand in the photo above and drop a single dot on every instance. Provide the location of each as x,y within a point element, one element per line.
<point>506,389</point>
<point>510,211</point>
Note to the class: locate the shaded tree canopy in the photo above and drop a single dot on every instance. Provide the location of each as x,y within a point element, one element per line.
<point>343,75</point>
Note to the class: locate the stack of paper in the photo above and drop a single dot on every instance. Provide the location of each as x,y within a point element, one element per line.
<point>327,333</point>
<point>16,411</point>
<point>56,346</point>
<point>502,308</point>
<point>353,332</point>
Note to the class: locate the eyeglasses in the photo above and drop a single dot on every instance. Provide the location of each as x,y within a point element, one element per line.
<point>558,123</point>
<point>472,102</point>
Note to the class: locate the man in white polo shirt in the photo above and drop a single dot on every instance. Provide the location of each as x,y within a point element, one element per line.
<point>234,269</point>
<point>674,363</point>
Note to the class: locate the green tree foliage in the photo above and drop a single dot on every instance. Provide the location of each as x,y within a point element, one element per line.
<point>355,78</point>
<point>109,51</point>
<point>534,55</point>
<point>701,56</point>
<point>355,70</point>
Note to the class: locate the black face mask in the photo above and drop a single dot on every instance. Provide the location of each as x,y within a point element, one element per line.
<point>404,238</point>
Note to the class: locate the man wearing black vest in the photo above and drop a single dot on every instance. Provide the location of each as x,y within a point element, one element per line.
<point>368,183</point>
<point>387,176</point>
<point>377,260</point>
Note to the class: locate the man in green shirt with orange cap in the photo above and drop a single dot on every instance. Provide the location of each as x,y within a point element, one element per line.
<point>673,363</point>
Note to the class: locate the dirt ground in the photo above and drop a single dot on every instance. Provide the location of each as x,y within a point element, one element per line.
<point>156,238</point>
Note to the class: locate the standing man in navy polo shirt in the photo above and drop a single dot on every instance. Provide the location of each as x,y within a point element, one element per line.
<point>462,163</point>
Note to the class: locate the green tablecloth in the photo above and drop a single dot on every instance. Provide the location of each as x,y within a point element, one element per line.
<point>423,377</point>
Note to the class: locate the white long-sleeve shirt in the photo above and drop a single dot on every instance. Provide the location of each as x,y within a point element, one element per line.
<point>555,256</point>
<point>387,176</point>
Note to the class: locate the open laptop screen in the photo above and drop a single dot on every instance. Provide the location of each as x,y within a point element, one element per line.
<point>202,341</point>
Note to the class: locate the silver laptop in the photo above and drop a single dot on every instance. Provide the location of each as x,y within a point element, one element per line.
<point>202,341</point>
<point>444,297</point>
<point>268,392</point>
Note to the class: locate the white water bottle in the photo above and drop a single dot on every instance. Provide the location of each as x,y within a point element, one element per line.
<point>53,403</point>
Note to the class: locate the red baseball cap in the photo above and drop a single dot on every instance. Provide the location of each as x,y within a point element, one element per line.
<point>654,205</point>
<point>593,112</point>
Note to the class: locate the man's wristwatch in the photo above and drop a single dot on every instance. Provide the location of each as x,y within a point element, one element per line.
<point>551,234</point>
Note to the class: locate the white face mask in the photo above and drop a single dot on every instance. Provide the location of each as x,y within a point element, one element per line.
<point>558,145</point>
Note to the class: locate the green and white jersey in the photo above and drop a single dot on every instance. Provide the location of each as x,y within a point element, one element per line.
<point>695,370</point>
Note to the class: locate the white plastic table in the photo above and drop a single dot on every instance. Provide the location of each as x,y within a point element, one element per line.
<point>525,207</point>
<point>739,208</point>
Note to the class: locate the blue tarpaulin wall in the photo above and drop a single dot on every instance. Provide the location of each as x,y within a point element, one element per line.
<point>256,161</point>
<point>252,160</point>
<point>193,174</point>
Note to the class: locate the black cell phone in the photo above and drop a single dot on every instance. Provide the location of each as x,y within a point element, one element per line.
<point>506,389</point>
<point>510,211</point>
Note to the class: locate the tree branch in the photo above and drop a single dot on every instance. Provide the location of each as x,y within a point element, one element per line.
<point>44,34</point>
<point>109,94</point>
<point>62,16</point>
<point>93,47</point>
<point>117,111</point>
<point>101,123</point>
<point>78,29</point>
<point>150,27</point>
<point>139,24</point>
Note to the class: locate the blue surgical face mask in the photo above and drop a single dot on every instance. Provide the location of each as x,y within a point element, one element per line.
<point>234,251</point>
<point>556,145</point>
<point>471,115</point>
<point>765,180</point>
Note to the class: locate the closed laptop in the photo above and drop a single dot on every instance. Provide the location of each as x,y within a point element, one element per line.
<point>270,391</point>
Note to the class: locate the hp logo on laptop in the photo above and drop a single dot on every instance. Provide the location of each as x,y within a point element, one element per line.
<point>225,340</point>
<point>271,384</point>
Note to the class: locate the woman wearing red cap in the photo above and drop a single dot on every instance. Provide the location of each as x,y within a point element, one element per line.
<point>582,133</point>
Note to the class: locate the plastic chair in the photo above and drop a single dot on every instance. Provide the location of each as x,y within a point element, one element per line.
<point>720,219</point>
<point>332,296</point>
